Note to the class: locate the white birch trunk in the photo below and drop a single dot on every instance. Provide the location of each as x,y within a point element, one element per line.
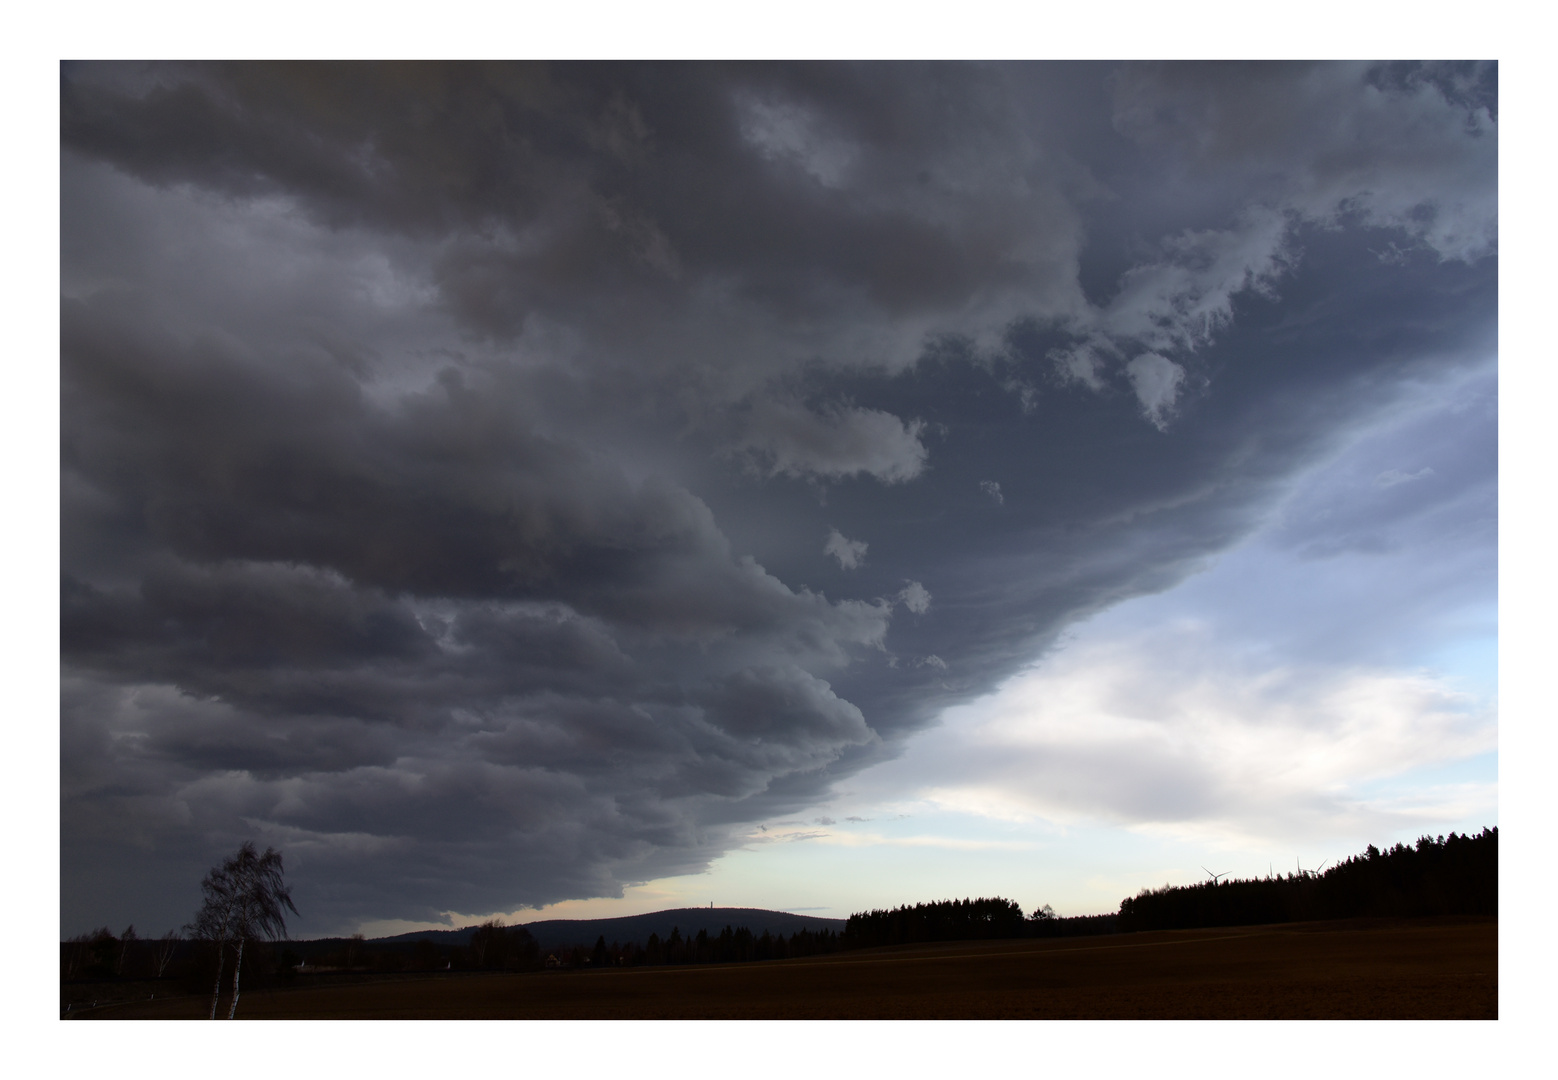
<point>221,955</point>
<point>237,964</point>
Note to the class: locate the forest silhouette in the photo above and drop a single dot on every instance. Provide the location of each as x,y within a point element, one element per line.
<point>1450,875</point>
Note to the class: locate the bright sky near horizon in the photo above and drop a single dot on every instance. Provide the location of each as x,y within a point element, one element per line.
<point>567,490</point>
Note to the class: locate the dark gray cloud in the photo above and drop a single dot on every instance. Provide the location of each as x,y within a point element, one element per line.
<point>453,455</point>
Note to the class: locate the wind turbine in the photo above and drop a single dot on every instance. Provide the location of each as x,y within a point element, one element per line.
<point>1213,876</point>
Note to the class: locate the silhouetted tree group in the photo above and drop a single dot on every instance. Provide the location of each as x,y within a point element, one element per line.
<point>942,920</point>
<point>98,954</point>
<point>1453,875</point>
<point>733,945</point>
<point>1072,926</point>
<point>965,920</point>
<point>495,947</point>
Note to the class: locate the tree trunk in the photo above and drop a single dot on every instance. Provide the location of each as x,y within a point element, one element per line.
<point>237,964</point>
<point>221,955</point>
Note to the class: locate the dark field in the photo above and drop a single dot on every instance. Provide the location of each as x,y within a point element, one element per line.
<point>1428,969</point>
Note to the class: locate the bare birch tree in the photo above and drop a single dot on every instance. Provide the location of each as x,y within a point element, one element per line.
<point>164,949</point>
<point>260,903</point>
<point>213,921</point>
<point>126,943</point>
<point>245,899</point>
<point>76,955</point>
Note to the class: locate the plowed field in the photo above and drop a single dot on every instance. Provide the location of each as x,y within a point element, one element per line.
<point>1407,969</point>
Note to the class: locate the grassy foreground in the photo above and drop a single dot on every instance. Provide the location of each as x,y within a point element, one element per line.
<point>1356,969</point>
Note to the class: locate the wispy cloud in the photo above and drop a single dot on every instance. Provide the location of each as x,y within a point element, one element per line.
<point>1392,477</point>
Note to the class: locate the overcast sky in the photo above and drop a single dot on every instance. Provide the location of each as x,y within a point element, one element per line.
<point>605,487</point>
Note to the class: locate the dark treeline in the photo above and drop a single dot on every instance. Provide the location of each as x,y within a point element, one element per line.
<point>104,966</point>
<point>943,920</point>
<point>498,948</point>
<point>90,961</point>
<point>1454,875</point>
<point>1072,926</point>
<point>734,945</point>
<point>104,956</point>
<point>964,920</point>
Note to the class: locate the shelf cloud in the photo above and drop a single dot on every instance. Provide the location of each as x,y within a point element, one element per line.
<point>445,448</point>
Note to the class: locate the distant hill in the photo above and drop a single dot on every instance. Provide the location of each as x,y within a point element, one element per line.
<point>559,933</point>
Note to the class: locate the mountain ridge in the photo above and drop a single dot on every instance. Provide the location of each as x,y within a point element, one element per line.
<point>555,933</point>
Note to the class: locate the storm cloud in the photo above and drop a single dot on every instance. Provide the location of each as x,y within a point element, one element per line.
<point>468,470</point>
